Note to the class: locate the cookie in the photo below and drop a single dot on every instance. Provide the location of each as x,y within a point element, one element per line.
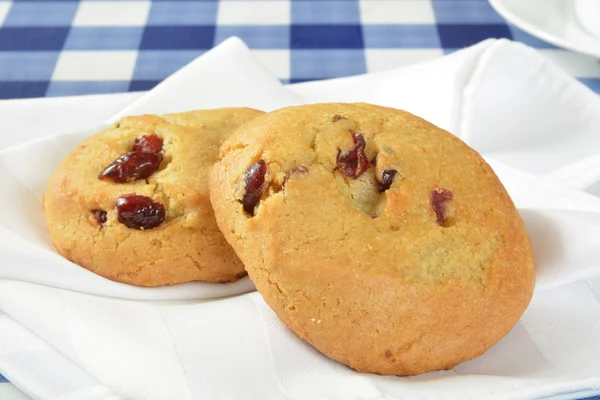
<point>132,202</point>
<point>382,240</point>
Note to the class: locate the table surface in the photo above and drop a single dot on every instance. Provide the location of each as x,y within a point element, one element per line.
<point>71,47</point>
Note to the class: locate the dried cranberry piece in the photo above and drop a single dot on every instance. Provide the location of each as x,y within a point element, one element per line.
<point>439,197</point>
<point>353,163</point>
<point>254,177</point>
<point>139,212</point>
<point>132,166</point>
<point>300,169</point>
<point>148,144</point>
<point>337,117</point>
<point>100,216</point>
<point>387,177</point>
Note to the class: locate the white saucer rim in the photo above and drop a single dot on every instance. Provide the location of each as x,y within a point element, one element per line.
<point>501,7</point>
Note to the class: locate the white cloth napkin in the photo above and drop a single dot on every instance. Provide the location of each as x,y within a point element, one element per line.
<point>66,333</point>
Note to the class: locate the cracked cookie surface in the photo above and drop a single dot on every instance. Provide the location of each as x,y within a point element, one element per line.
<point>132,204</point>
<point>382,240</point>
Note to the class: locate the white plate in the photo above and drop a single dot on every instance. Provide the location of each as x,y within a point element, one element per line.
<point>551,20</point>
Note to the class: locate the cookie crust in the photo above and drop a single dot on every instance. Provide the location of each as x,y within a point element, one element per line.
<point>188,245</point>
<point>401,281</point>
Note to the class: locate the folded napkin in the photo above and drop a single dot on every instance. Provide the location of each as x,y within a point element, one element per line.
<point>66,333</point>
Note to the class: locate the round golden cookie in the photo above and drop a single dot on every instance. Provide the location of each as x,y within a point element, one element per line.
<point>382,240</point>
<point>145,220</point>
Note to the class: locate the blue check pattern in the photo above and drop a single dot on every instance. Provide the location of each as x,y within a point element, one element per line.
<point>72,47</point>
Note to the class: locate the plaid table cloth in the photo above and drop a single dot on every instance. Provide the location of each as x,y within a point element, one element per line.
<point>71,47</point>
<point>54,48</point>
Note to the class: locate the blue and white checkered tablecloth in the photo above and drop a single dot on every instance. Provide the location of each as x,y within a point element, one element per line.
<point>71,47</point>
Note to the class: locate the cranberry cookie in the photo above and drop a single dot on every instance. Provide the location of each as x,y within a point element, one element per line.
<point>382,240</point>
<point>132,202</point>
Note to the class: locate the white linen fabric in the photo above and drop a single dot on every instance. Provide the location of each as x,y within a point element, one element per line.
<point>66,333</point>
